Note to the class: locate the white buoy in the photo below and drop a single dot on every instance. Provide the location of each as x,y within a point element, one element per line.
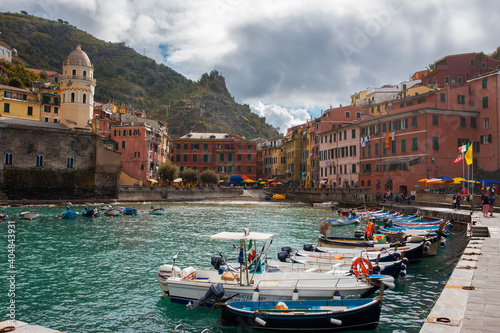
<point>255,295</point>
<point>295,295</point>
<point>260,321</point>
<point>335,321</point>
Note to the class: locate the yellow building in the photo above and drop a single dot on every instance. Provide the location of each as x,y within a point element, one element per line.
<point>357,98</point>
<point>19,103</point>
<point>415,90</point>
<point>293,153</point>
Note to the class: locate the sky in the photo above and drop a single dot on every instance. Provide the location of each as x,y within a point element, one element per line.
<point>288,59</point>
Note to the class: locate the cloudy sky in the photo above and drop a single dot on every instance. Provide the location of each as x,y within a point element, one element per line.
<point>287,59</point>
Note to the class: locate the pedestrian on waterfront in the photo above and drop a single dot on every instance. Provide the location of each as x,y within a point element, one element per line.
<point>471,199</point>
<point>492,203</point>
<point>454,202</point>
<point>459,200</point>
<point>486,205</point>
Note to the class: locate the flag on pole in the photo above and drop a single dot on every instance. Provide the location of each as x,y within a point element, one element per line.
<point>468,156</point>
<point>458,159</point>
<point>462,149</point>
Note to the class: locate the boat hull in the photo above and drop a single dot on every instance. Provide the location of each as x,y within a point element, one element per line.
<point>304,316</point>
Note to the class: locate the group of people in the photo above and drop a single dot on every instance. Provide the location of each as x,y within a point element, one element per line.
<point>488,202</point>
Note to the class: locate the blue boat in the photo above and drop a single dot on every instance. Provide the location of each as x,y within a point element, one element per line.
<point>304,316</point>
<point>94,212</point>
<point>130,211</point>
<point>69,214</point>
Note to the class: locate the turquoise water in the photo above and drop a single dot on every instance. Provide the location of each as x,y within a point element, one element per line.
<point>99,275</point>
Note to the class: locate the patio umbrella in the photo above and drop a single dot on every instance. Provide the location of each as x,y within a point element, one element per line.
<point>243,182</point>
<point>445,178</point>
<point>434,180</point>
<point>423,180</point>
<point>177,180</point>
<point>482,188</point>
<point>279,183</point>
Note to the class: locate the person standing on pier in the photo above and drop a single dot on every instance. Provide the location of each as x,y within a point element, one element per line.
<point>492,202</point>
<point>486,205</point>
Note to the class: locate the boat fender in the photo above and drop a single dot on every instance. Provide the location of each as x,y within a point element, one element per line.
<point>406,261</point>
<point>222,269</point>
<point>283,256</point>
<point>443,242</point>
<point>336,295</point>
<point>334,321</point>
<point>389,285</point>
<point>255,295</point>
<point>362,267</point>
<point>287,249</point>
<point>396,255</point>
<point>402,273</point>
<point>359,234</point>
<point>402,267</point>
<point>260,321</point>
<point>308,247</point>
<point>427,243</point>
<point>295,295</point>
<point>426,250</point>
<point>376,269</point>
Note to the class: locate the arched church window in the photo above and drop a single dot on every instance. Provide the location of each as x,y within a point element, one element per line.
<point>84,73</point>
<point>84,98</point>
<point>72,97</point>
<point>73,72</point>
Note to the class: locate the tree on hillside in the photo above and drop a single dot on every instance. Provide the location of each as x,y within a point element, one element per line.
<point>190,175</point>
<point>167,172</point>
<point>209,177</point>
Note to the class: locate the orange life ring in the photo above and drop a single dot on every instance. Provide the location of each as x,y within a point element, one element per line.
<point>362,267</point>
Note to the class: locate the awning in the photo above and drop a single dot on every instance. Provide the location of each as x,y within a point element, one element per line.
<point>324,181</point>
<point>152,180</point>
<point>242,235</point>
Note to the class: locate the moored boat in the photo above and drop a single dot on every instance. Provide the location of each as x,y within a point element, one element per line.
<point>29,215</point>
<point>93,212</point>
<point>249,280</point>
<point>112,212</point>
<point>129,211</point>
<point>345,221</point>
<point>156,211</point>
<point>326,204</point>
<point>68,214</point>
<point>303,316</point>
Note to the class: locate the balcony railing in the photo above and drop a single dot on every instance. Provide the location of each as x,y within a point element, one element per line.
<point>78,77</point>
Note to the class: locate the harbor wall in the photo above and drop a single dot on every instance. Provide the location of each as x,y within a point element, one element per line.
<point>143,193</point>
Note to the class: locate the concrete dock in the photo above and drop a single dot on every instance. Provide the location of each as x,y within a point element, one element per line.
<point>17,326</point>
<point>470,301</point>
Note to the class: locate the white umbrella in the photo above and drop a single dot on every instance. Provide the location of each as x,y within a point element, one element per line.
<point>178,180</point>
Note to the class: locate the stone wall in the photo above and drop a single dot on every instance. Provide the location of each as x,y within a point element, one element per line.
<point>144,193</point>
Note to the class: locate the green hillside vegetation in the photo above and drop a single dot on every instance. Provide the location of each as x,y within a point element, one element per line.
<point>128,78</point>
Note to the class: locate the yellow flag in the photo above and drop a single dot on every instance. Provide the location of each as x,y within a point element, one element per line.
<point>468,155</point>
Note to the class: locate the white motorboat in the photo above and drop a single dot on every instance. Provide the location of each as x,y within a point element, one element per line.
<point>112,212</point>
<point>29,215</point>
<point>326,204</point>
<point>251,281</point>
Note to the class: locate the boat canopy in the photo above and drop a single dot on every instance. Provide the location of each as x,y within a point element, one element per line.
<point>256,236</point>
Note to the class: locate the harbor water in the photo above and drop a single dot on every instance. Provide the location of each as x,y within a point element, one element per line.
<point>100,274</point>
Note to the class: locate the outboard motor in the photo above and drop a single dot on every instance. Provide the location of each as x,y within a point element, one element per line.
<point>283,256</point>
<point>359,234</point>
<point>287,249</point>
<point>215,292</point>
<point>217,261</point>
<point>308,247</point>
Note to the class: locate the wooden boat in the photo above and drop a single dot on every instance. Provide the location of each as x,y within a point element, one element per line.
<point>278,196</point>
<point>326,204</point>
<point>303,316</point>
<point>94,212</point>
<point>156,211</point>
<point>29,215</point>
<point>68,214</point>
<point>130,211</point>
<point>250,280</point>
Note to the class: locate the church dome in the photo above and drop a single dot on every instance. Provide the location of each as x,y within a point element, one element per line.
<point>78,57</point>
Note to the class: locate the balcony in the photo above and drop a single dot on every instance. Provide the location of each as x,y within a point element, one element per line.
<point>78,77</point>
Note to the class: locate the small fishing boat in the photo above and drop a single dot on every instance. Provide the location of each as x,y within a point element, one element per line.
<point>93,212</point>
<point>156,211</point>
<point>327,204</point>
<point>29,215</point>
<point>3,217</point>
<point>112,212</point>
<point>344,221</point>
<point>129,211</point>
<point>68,214</point>
<point>277,196</point>
<point>303,316</point>
<point>249,280</point>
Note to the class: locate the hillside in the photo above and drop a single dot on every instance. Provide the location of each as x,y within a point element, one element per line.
<point>128,78</point>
